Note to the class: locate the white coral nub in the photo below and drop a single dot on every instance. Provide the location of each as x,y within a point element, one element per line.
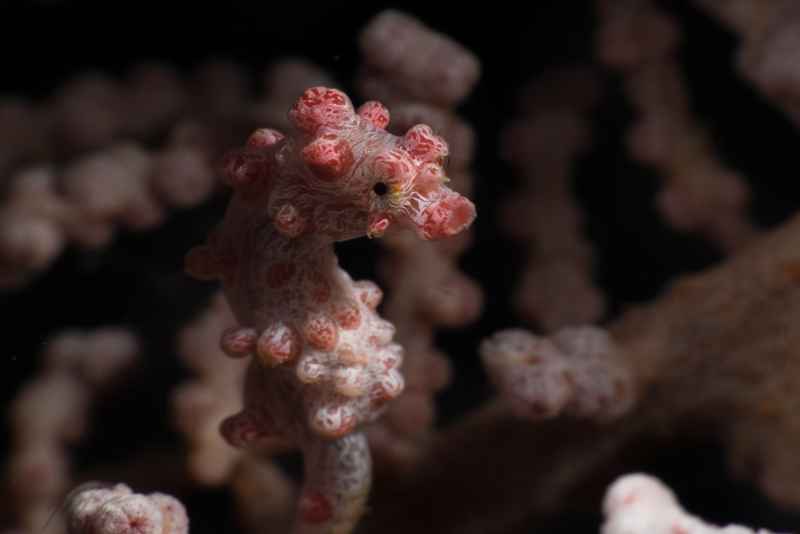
<point>641,504</point>
<point>574,371</point>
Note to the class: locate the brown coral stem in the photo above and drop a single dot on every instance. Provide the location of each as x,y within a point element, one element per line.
<point>734,354</point>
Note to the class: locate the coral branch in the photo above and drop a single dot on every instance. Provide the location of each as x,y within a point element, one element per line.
<point>291,360</point>
<point>263,494</point>
<point>767,56</point>
<point>715,354</point>
<point>124,185</point>
<point>577,372</point>
<point>700,193</point>
<point>404,57</point>
<point>52,412</point>
<point>201,404</point>
<point>92,110</point>
<point>540,144</point>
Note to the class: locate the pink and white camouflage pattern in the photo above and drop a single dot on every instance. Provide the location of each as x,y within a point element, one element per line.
<point>324,360</point>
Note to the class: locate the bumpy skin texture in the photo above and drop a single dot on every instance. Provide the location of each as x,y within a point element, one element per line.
<point>99,509</point>
<point>324,361</point>
<point>263,493</point>
<point>641,504</point>
<point>282,82</point>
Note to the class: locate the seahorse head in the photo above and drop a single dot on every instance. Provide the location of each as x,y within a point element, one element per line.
<point>364,179</point>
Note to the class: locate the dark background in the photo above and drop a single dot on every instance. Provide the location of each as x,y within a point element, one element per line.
<point>138,281</point>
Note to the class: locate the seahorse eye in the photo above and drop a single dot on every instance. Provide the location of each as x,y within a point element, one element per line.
<point>380,188</point>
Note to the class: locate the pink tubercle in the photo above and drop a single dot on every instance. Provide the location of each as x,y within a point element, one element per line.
<point>446,217</point>
<point>315,507</point>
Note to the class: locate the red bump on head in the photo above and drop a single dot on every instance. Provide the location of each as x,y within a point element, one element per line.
<point>329,157</point>
<point>422,144</point>
<point>445,217</point>
<point>321,106</point>
<point>374,112</point>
